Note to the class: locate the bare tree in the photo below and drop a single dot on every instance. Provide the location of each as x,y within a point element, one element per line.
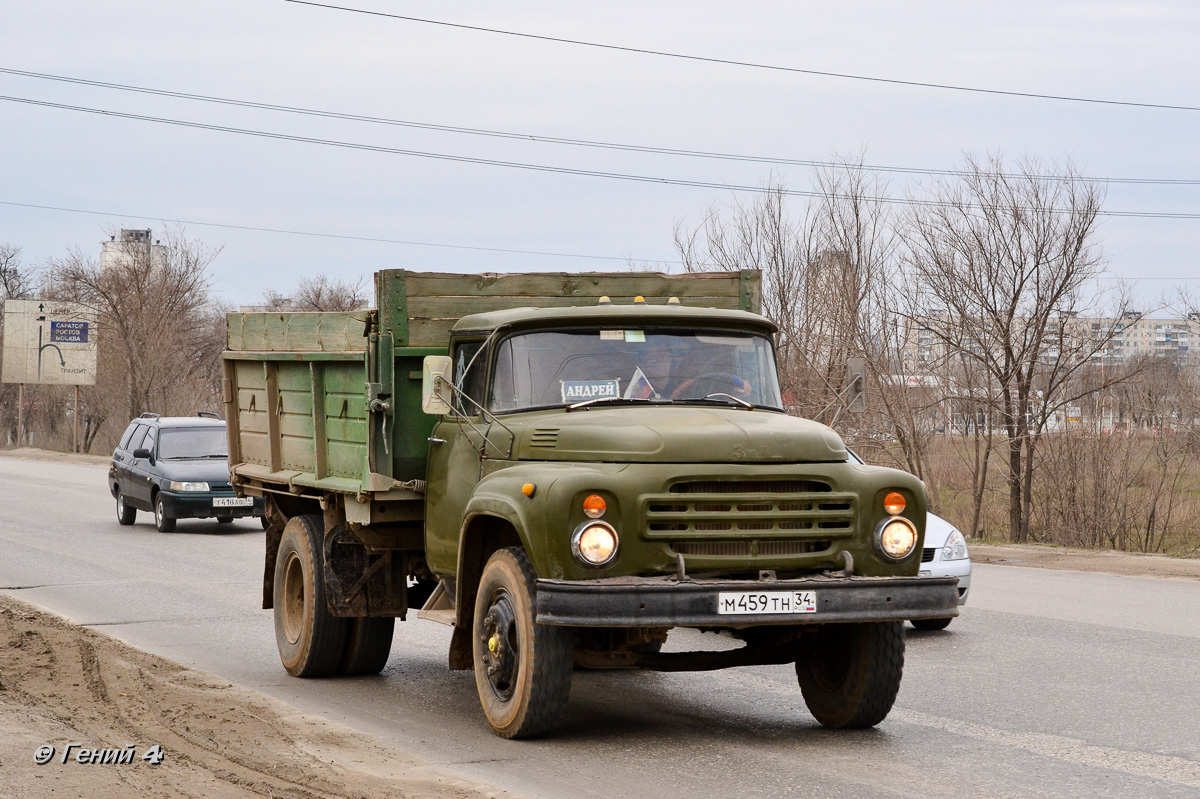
<point>152,306</point>
<point>817,271</point>
<point>16,283</point>
<point>1002,264</point>
<point>321,293</point>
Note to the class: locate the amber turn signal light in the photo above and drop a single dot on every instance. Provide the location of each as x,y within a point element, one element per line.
<point>894,503</point>
<point>594,506</point>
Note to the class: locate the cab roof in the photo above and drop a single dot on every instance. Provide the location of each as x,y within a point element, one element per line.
<point>610,315</point>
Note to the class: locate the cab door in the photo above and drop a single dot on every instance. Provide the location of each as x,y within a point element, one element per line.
<point>456,451</point>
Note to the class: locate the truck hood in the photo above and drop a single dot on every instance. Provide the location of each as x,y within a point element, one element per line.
<point>674,435</point>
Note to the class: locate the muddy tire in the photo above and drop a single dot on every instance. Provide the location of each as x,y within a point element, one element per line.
<point>932,624</point>
<point>368,645</point>
<point>850,674</point>
<point>163,522</point>
<point>125,514</point>
<point>522,669</point>
<point>311,641</point>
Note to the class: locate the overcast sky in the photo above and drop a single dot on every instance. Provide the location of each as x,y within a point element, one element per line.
<point>271,51</point>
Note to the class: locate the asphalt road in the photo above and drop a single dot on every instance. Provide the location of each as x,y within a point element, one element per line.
<point>1050,684</point>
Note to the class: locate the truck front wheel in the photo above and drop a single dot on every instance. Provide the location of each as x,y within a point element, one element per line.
<point>310,640</point>
<point>849,674</point>
<point>522,669</point>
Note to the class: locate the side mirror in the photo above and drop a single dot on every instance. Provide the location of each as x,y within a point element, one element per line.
<point>142,453</point>
<point>437,380</point>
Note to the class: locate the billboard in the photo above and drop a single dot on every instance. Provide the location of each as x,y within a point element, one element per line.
<point>48,342</point>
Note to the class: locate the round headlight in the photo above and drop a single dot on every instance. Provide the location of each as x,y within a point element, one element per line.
<point>594,543</point>
<point>896,538</point>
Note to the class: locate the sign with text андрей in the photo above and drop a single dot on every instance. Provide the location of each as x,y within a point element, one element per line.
<point>48,342</point>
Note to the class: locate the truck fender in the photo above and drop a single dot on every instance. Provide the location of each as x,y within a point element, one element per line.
<point>490,524</point>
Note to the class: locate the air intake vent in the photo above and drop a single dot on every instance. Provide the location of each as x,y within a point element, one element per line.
<point>544,437</point>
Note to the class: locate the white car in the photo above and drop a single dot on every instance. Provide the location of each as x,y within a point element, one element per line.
<point>945,555</point>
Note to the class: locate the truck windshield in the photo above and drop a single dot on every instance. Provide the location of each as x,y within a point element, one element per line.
<point>546,369</point>
<point>192,442</point>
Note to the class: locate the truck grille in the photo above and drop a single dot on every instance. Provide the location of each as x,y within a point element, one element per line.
<point>744,510</point>
<point>749,549</point>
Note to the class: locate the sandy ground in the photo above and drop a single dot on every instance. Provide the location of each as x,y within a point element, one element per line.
<point>61,684</point>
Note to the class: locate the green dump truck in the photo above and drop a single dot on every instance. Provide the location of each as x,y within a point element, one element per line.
<point>564,468</point>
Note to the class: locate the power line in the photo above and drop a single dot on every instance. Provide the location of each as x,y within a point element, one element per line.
<point>377,240</point>
<point>345,237</point>
<point>559,170</point>
<point>732,62</point>
<point>638,148</point>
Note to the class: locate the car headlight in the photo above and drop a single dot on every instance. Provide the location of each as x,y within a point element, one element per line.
<point>955,547</point>
<point>185,486</point>
<point>594,544</point>
<point>896,537</point>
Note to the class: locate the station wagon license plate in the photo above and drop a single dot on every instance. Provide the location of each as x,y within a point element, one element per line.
<point>744,603</point>
<point>233,502</point>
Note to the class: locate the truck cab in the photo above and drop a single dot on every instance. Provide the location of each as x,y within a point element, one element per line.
<point>641,460</point>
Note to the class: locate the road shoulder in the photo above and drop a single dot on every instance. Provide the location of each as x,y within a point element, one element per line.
<point>1126,564</point>
<point>61,684</point>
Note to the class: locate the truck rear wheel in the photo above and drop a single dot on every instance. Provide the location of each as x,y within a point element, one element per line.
<point>309,638</point>
<point>522,669</point>
<point>368,645</point>
<point>849,674</point>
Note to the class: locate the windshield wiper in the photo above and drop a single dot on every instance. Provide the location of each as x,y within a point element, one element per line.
<point>586,403</point>
<point>709,398</point>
